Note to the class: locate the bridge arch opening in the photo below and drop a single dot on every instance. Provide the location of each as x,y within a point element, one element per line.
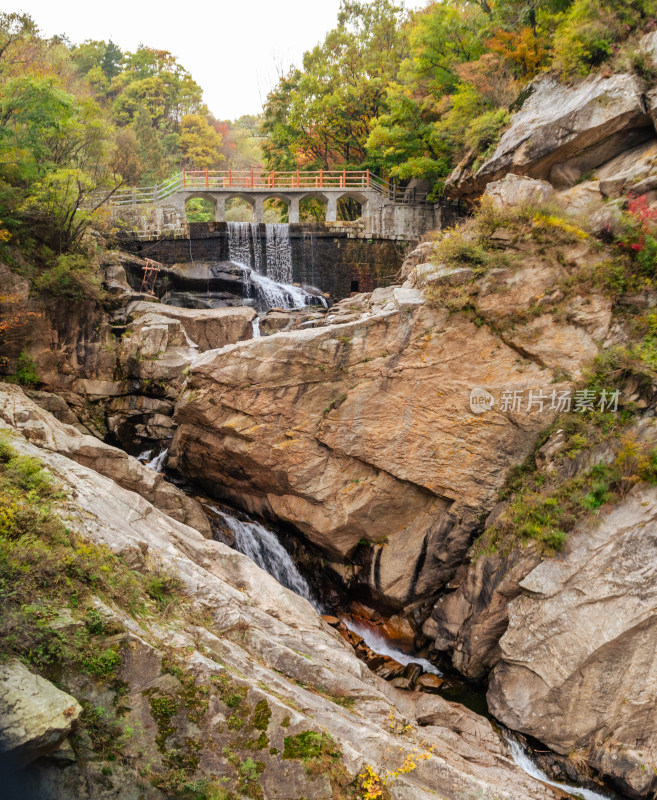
<point>277,209</point>
<point>240,209</point>
<point>312,208</point>
<point>200,208</point>
<point>351,207</point>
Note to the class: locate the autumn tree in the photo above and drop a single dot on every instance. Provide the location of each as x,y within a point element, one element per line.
<point>320,115</point>
<point>200,144</point>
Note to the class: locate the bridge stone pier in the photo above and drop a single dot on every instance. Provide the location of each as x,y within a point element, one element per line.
<point>386,211</point>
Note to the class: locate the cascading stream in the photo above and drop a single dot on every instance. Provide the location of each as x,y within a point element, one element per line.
<point>263,548</point>
<point>384,647</point>
<point>156,463</point>
<point>522,759</point>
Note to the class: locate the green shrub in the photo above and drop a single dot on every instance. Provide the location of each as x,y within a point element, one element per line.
<point>72,277</point>
<point>25,373</point>
<point>304,746</point>
<point>261,715</point>
<point>249,777</point>
<point>590,30</point>
<point>483,133</point>
<point>102,665</point>
<point>162,588</point>
<point>94,622</point>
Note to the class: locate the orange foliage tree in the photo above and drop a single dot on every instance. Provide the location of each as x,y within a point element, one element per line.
<point>525,48</point>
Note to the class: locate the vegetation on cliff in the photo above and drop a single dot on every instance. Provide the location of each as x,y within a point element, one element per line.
<point>595,455</point>
<point>408,94</point>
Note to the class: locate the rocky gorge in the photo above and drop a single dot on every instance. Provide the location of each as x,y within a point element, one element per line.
<point>514,547</point>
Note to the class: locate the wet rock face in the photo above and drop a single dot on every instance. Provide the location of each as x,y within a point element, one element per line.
<point>577,661</point>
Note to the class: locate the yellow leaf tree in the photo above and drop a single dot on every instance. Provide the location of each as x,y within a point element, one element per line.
<point>200,144</point>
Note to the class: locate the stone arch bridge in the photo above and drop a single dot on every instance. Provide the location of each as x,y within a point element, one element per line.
<point>386,211</point>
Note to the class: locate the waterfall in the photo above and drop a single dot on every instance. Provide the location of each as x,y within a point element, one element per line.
<point>378,644</point>
<point>278,295</point>
<point>279,253</point>
<point>257,247</point>
<point>239,242</point>
<point>157,463</point>
<point>256,327</point>
<point>521,759</point>
<point>264,549</point>
<point>273,279</point>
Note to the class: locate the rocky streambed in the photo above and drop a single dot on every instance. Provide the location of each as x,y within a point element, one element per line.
<point>240,681</point>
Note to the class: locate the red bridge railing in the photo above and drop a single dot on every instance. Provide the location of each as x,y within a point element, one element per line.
<point>257,180</point>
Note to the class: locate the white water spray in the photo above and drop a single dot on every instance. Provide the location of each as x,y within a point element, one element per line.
<point>264,549</point>
<point>521,759</point>
<point>157,463</point>
<point>273,279</point>
<point>384,647</point>
<point>256,327</point>
<point>279,295</point>
<point>279,253</point>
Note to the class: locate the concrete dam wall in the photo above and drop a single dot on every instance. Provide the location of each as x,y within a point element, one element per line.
<point>328,256</point>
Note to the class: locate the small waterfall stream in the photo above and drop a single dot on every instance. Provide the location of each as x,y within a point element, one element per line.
<point>522,759</point>
<point>240,237</point>
<point>384,647</point>
<point>257,250</point>
<point>264,549</point>
<point>156,462</point>
<point>279,253</point>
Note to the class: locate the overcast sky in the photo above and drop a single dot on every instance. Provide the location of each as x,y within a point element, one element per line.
<point>232,49</point>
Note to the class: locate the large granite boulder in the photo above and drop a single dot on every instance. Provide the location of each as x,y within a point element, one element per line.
<point>577,660</point>
<point>514,191</point>
<point>563,131</point>
<point>35,716</point>
<point>208,329</point>
<point>634,170</point>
